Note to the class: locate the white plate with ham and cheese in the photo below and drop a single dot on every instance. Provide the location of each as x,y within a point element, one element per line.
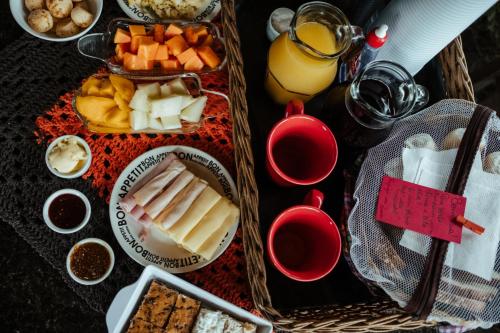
<point>174,207</point>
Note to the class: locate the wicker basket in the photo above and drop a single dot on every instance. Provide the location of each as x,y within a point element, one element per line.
<point>365,317</point>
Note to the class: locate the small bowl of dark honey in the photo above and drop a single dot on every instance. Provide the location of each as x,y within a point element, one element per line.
<point>66,211</point>
<point>90,261</point>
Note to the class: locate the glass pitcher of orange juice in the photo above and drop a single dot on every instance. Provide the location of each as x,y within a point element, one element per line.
<point>303,61</point>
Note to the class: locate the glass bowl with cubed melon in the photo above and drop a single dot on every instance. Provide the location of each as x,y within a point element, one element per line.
<point>113,103</point>
<point>138,48</point>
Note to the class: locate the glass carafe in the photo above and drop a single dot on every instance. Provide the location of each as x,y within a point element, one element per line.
<point>361,113</point>
<point>303,61</point>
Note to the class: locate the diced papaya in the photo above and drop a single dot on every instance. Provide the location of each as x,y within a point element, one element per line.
<point>173,30</point>
<point>89,83</point>
<point>133,62</point>
<point>123,86</point>
<point>137,40</point>
<point>170,64</point>
<point>147,50</point>
<point>194,64</point>
<point>159,33</point>
<point>94,108</point>
<point>120,50</point>
<point>191,36</point>
<point>207,41</point>
<point>186,55</point>
<point>176,45</point>
<point>208,56</point>
<point>107,89</point>
<point>122,36</point>
<point>137,30</point>
<point>162,53</point>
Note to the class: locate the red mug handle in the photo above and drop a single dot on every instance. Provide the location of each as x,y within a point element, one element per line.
<point>294,106</point>
<point>314,198</point>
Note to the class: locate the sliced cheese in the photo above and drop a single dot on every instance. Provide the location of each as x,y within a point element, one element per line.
<point>156,185</point>
<point>207,250</point>
<point>169,217</point>
<point>210,222</point>
<point>200,207</point>
<point>154,208</point>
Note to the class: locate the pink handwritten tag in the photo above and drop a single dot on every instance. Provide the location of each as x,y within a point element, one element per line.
<point>421,209</point>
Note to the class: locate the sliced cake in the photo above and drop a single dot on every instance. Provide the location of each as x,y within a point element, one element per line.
<point>157,304</point>
<point>184,315</point>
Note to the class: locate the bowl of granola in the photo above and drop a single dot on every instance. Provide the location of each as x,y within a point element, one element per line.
<point>153,10</point>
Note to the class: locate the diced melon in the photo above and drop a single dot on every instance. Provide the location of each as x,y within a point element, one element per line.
<point>186,55</point>
<point>170,64</point>
<point>173,30</point>
<point>162,53</point>
<point>138,120</point>
<point>187,100</point>
<point>194,64</point>
<point>168,106</point>
<point>194,111</point>
<point>165,90</point>
<point>122,36</point>
<point>176,45</point>
<point>154,123</point>
<point>136,30</point>
<point>159,33</point>
<point>140,101</point>
<point>178,87</point>
<point>138,40</point>
<point>147,50</point>
<point>171,122</point>
<point>208,56</point>
<point>152,89</point>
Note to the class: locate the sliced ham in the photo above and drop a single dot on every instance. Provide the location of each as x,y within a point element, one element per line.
<point>170,215</point>
<point>152,188</point>
<point>137,212</point>
<point>154,208</point>
<point>128,202</point>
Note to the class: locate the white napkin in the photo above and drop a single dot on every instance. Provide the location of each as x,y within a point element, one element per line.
<point>476,254</point>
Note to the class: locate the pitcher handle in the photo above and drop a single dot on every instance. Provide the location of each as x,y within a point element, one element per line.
<point>93,46</point>
<point>421,97</point>
<point>294,106</point>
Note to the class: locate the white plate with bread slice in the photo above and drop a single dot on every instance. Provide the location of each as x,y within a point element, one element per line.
<point>175,207</point>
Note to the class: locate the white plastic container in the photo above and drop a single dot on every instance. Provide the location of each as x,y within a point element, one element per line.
<point>129,298</point>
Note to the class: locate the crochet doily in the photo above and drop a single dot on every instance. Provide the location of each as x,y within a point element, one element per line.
<point>37,81</point>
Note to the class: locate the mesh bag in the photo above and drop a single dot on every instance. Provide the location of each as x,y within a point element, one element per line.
<point>465,297</point>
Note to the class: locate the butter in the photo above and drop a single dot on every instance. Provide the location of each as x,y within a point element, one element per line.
<point>67,156</point>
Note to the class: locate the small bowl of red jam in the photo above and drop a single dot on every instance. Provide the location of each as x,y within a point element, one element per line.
<point>90,261</point>
<point>66,211</point>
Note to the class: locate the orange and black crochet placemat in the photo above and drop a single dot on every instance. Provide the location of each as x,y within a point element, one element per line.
<point>37,91</point>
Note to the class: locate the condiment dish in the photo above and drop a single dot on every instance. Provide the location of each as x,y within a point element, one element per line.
<point>76,173</point>
<point>56,194</point>
<point>108,271</point>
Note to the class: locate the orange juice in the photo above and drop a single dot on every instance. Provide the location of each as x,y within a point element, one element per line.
<point>294,72</point>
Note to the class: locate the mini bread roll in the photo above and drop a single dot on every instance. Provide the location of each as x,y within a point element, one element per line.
<point>40,20</point>
<point>34,4</point>
<point>452,140</point>
<point>66,28</point>
<point>81,17</point>
<point>492,163</point>
<point>421,140</point>
<point>59,8</point>
<point>81,4</point>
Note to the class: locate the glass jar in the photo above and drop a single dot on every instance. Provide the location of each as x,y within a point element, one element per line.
<point>361,113</point>
<point>303,61</point>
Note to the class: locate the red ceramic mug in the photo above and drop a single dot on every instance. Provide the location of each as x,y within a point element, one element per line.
<point>303,242</point>
<point>301,149</point>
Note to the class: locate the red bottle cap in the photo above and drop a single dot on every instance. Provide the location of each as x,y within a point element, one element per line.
<point>377,37</point>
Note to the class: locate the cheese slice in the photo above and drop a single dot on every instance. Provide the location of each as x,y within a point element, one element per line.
<point>208,224</point>
<point>170,215</point>
<point>154,208</point>
<point>207,250</point>
<point>156,185</point>
<point>200,207</point>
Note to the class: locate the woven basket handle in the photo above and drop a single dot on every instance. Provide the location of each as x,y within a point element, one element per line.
<point>424,296</point>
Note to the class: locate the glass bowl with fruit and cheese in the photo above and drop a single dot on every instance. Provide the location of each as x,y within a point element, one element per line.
<point>111,103</point>
<point>138,48</point>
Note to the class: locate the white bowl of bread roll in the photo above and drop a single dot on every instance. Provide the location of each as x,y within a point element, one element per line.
<point>56,20</point>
